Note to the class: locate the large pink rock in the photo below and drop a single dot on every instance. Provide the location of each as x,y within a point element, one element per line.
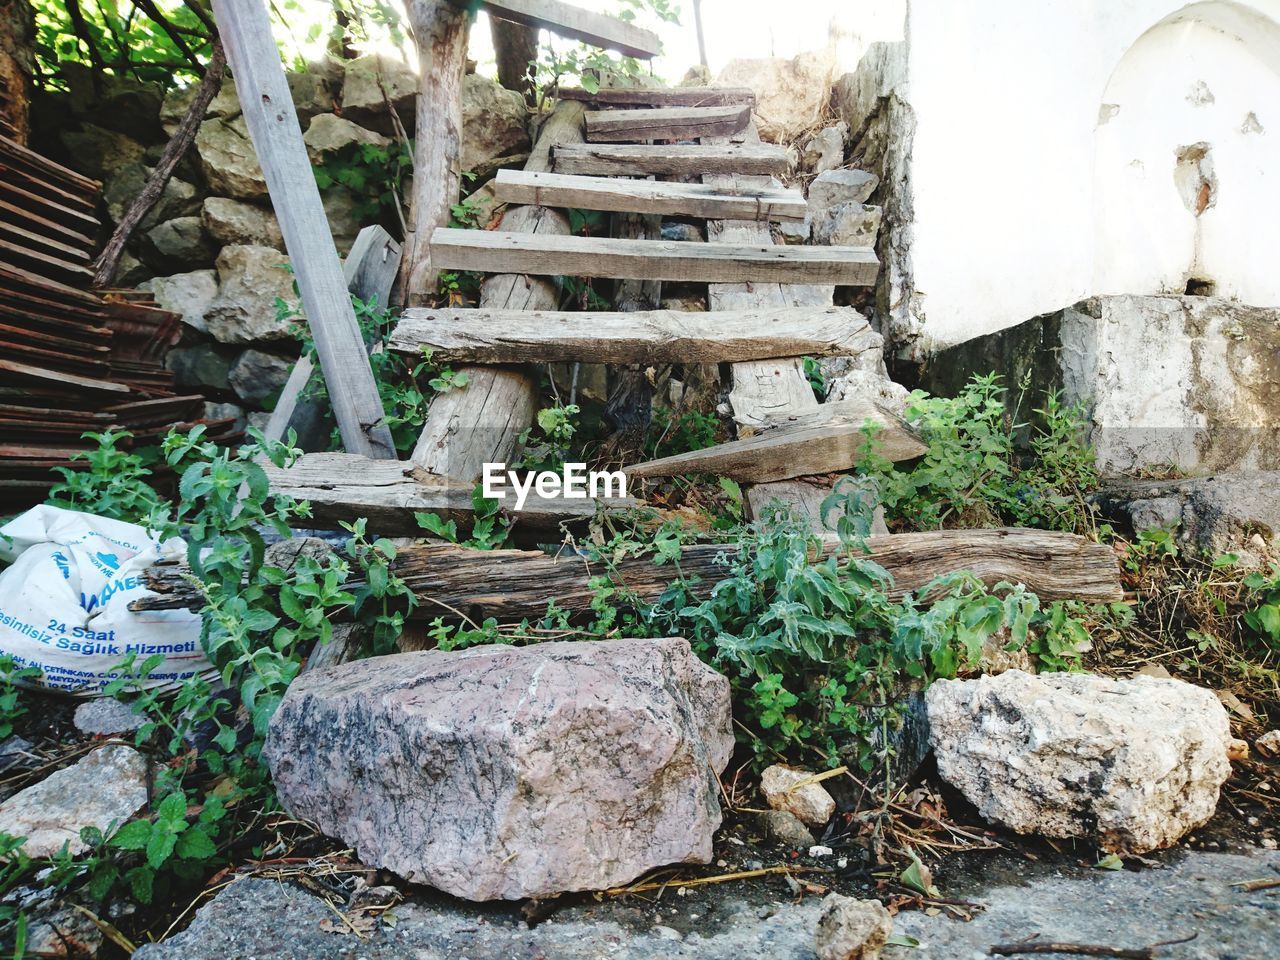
<point>509,772</point>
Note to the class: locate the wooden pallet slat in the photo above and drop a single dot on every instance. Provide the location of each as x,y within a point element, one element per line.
<point>666,123</point>
<point>660,96</point>
<point>567,20</point>
<point>477,335</point>
<point>494,251</point>
<point>823,445</point>
<point>648,196</point>
<point>672,160</point>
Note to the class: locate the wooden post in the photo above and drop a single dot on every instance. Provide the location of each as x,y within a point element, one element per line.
<point>370,271</point>
<point>514,46</point>
<point>440,32</point>
<point>277,138</point>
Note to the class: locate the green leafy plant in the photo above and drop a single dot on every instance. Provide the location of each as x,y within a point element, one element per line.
<point>12,677</point>
<point>374,175</point>
<point>112,483</point>
<point>1263,614</point>
<point>547,443</point>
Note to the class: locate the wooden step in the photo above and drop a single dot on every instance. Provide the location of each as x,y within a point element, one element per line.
<point>346,486</point>
<point>660,96</point>
<point>648,197</point>
<point>644,336</point>
<point>513,584</point>
<point>567,20</point>
<point>666,123</point>
<point>828,441</point>
<point>673,160</point>
<point>493,251</point>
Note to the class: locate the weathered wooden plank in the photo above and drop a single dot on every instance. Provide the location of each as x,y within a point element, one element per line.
<point>649,336</point>
<point>344,487</point>
<point>496,251</point>
<point>291,183</point>
<point>673,160</point>
<point>27,372</point>
<point>837,443</point>
<point>482,422</point>
<point>666,123</point>
<point>370,271</point>
<point>660,96</point>
<point>512,584</point>
<point>566,20</point>
<point>648,196</point>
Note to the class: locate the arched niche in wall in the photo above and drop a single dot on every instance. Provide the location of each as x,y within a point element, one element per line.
<point>1187,158</point>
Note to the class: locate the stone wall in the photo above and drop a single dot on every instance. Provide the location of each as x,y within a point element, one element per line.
<point>211,249</point>
<point>1182,382</point>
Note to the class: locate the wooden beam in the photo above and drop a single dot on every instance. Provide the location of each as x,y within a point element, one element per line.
<point>440,32</point>
<point>370,271</point>
<point>482,422</point>
<point>666,123</point>
<point>660,96</point>
<point>291,183</point>
<point>343,487</point>
<point>495,251</point>
<point>648,196</point>
<point>648,336</point>
<point>566,20</point>
<point>513,584</point>
<point>797,450</point>
<point>672,160</point>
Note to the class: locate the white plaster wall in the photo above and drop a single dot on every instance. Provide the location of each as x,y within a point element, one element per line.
<point>1024,203</point>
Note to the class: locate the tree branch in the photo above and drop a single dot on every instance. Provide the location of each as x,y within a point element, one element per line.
<point>104,268</point>
<point>160,20</point>
<point>81,29</point>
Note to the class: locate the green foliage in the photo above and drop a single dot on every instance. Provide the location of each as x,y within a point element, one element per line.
<point>11,705</point>
<point>547,443</point>
<point>816,376</point>
<point>111,484</point>
<point>489,528</point>
<point>671,433</point>
<point>374,175</point>
<point>971,474</point>
<point>1263,613</point>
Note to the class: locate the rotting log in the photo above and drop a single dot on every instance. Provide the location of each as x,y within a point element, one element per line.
<point>838,443</point>
<point>666,123</point>
<point>482,422</point>
<point>648,196</point>
<point>513,584</point>
<point>672,160</point>
<point>440,34</point>
<point>646,336</point>
<point>277,139</point>
<point>502,251</point>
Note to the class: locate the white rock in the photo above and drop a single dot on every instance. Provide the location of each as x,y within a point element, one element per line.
<point>104,716</point>
<point>187,294</point>
<point>250,280</point>
<point>818,850</point>
<point>228,160</point>
<point>330,134</point>
<point>811,803</point>
<point>840,186</point>
<point>1132,764</point>
<point>825,149</point>
<point>791,95</point>
<point>850,929</point>
<point>847,225</point>
<point>107,787</point>
<point>1269,743</point>
<point>236,222</point>
<point>256,375</point>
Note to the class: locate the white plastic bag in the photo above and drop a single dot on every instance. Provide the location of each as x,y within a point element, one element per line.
<point>64,604</point>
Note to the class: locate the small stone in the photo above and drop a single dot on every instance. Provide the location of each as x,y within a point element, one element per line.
<point>841,186</point>
<point>330,134</point>
<point>105,717</point>
<point>203,367</point>
<point>60,930</point>
<point>180,242</point>
<point>785,828</point>
<point>850,929</point>
<point>825,149</point>
<point>228,160</point>
<point>106,787</point>
<point>683,232</point>
<point>236,222</point>
<point>1268,744</point>
<point>257,375</point>
<point>372,81</point>
<point>818,850</point>
<point>187,294</point>
<point>251,279</point>
<point>495,123</point>
<point>1131,764</point>
<point>847,225</point>
<point>811,803</point>
<point>1269,843</point>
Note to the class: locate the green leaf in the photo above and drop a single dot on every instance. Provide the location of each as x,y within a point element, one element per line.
<point>173,808</point>
<point>132,836</point>
<point>1110,862</point>
<point>194,844</point>
<point>160,847</point>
